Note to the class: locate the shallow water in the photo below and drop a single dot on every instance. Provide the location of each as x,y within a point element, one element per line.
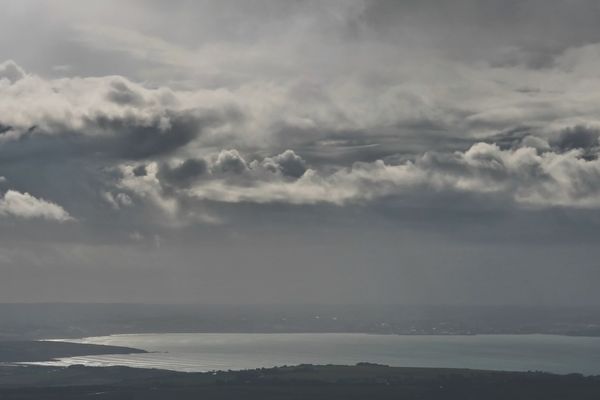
<point>216,351</point>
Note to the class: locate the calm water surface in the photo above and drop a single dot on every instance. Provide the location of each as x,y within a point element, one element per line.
<point>216,351</point>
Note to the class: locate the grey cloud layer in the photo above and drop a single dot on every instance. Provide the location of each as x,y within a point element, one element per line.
<point>307,150</point>
<point>546,151</point>
<point>382,69</point>
<point>526,176</point>
<point>320,103</point>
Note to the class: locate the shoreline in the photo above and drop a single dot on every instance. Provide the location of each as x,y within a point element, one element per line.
<point>76,339</point>
<point>201,352</point>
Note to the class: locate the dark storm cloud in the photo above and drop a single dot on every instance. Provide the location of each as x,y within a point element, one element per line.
<point>288,162</point>
<point>129,139</point>
<point>578,137</point>
<point>4,128</point>
<point>140,170</point>
<point>181,175</point>
<point>114,138</point>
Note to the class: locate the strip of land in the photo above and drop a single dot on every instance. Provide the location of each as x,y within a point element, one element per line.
<point>35,351</point>
<point>42,321</point>
<point>331,382</point>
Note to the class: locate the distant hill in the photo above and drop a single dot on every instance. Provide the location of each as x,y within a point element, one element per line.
<point>42,321</point>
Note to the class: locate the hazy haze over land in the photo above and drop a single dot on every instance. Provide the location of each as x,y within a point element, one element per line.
<point>300,152</point>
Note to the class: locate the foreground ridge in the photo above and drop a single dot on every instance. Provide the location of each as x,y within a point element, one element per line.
<point>364,380</point>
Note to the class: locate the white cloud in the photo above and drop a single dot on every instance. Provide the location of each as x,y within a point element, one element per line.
<point>528,176</point>
<point>24,205</point>
<point>459,99</point>
<point>117,201</point>
<point>147,187</point>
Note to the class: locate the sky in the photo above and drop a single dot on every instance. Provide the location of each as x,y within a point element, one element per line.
<point>300,151</point>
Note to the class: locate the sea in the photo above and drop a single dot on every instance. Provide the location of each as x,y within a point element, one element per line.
<point>202,352</point>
